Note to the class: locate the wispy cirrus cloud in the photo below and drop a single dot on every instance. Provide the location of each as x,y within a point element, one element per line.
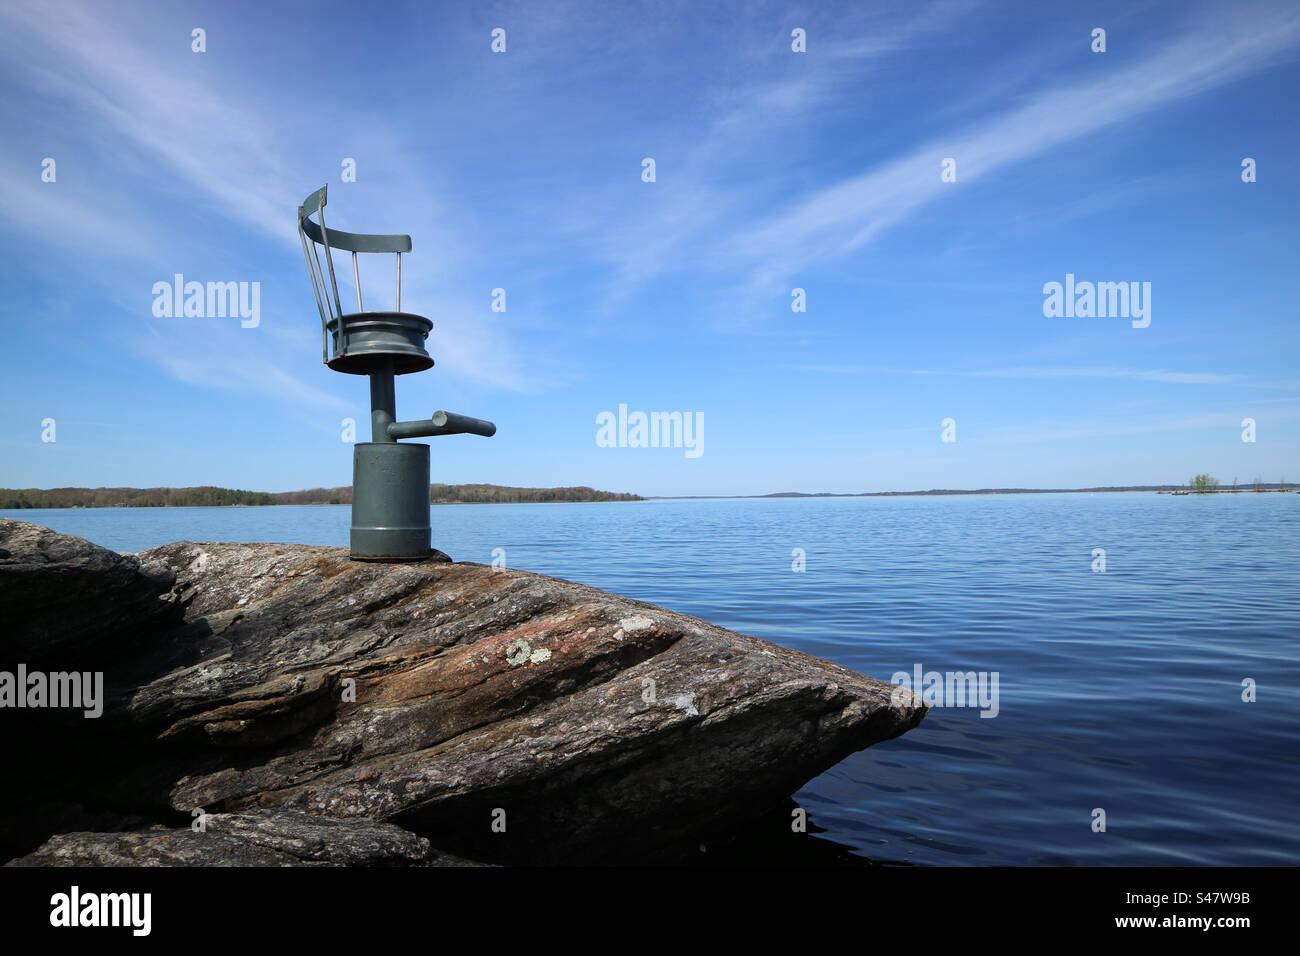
<point>1133,374</point>
<point>830,222</point>
<point>222,146</point>
<point>745,117</point>
<point>764,225</point>
<point>73,51</point>
<point>250,374</point>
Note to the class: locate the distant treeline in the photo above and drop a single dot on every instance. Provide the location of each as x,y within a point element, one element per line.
<point>462,495</point>
<point>1265,486</point>
<point>499,494</point>
<point>207,496</point>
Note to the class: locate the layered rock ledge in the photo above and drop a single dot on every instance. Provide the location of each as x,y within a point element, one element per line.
<point>257,838</point>
<point>498,715</point>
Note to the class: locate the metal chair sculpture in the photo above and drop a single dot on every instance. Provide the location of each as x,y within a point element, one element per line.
<point>390,479</point>
<point>359,342</point>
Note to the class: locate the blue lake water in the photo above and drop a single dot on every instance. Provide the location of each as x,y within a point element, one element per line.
<point>1119,690</point>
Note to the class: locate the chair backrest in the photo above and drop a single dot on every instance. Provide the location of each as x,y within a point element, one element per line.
<point>315,236</point>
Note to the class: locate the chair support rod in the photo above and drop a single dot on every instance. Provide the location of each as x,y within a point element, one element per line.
<point>383,403</point>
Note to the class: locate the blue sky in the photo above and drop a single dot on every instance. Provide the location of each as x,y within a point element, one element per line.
<point>774,169</point>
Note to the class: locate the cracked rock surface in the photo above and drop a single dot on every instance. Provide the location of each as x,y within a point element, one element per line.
<point>259,838</point>
<point>503,715</point>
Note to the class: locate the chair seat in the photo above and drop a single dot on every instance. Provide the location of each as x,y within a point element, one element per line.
<point>365,342</point>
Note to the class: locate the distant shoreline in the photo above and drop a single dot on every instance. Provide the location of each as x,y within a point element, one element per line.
<point>208,497</point>
<point>1158,489</point>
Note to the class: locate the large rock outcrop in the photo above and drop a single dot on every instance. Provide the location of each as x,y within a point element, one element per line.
<point>504,716</point>
<point>63,598</point>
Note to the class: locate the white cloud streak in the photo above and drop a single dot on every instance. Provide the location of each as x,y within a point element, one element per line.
<point>1134,374</point>
<point>225,152</point>
<point>830,222</point>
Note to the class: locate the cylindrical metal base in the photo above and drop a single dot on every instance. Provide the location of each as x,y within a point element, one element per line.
<point>390,501</point>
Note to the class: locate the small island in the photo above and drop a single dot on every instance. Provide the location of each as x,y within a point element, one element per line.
<point>1209,485</point>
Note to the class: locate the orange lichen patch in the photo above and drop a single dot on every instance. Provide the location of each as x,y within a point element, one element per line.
<point>458,668</point>
<point>442,578</point>
<point>561,621</point>
<point>325,567</point>
<point>452,672</point>
<point>481,576</point>
<point>431,677</point>
<point>378,668</point>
